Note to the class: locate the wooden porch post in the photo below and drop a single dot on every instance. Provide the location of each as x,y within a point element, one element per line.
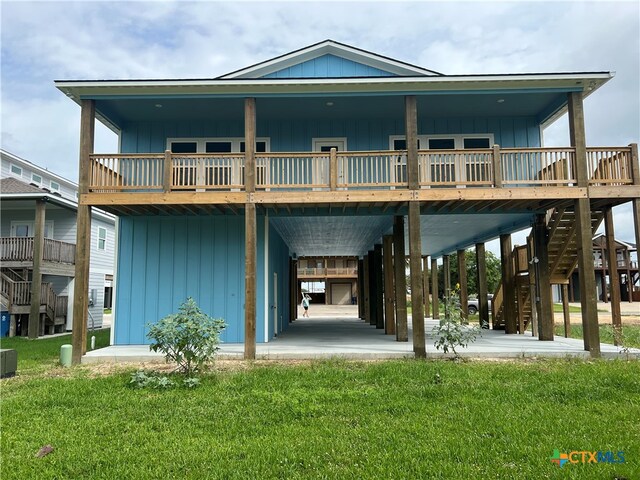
<point>415,264</point>
<point>481,282</point>
<point>425,285</point>
<point>83,233</point>
<point>588,300</point>
<point>377,257</point>
<point>612,268</point>
<point>544,304</point>
<point>389,293</point>
<point>435,301</point>
<point>36,281</point>
<point>411,130</point>
<point>373,318</point>
<point>402,331</point>
<point>446,284</point>
<point>635,204</point>
<point>565,310</point>
<point>508,287</point>
<point>250,243</point>
<point>366,293</point>
<point>462,279</point>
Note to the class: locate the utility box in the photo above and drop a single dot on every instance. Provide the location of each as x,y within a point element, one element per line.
<point>8,362</point>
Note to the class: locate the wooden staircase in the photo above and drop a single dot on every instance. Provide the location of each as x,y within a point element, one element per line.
<point>562,244</point>
<point>15,296</point>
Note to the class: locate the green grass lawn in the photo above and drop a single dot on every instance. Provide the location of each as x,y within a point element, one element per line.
<point>393,419</point>
<point>34,356</point>
<point>630,333</point>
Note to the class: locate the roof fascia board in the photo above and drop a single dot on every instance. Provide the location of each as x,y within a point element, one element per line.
<point>63,202</point>
<point>328,48</point>
<point>32,166</point>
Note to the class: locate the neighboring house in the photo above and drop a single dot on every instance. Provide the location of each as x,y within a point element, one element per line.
<point>338,276</point>
<point>221,184</point>
<point>25,189</point>
<point>627,268</point>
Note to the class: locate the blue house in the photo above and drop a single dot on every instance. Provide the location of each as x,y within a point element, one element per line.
<point>221,184</point>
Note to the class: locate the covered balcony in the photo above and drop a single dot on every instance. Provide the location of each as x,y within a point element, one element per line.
<point>58,258</point>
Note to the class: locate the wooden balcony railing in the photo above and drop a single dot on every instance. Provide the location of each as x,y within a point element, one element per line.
<point>328,272</point>
<point>20,249</point>
<point>496,167</point>
<point>18,294</point>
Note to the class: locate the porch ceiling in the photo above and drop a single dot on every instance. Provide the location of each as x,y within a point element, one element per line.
<point>119,111</point>
<point>355,235</point>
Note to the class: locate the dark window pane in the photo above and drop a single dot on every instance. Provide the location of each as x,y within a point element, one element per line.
<point>327,148</point>
<point>184,147</point>
<point>218,147</point>
<point>261,147</point>
<point>476,143</point>
<point>400,144</point>
<point>441,144</point>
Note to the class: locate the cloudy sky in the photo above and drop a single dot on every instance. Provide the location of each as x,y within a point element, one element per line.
<point>45,41</point>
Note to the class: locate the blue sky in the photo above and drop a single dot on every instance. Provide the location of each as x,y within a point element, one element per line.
<point>45,41</point>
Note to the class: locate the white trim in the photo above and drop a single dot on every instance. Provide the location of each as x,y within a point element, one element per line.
<point>52,188</point>
<point>328,48</point>
<point>201,142</point>
<point>12,166</point>
<point>458,138</point>
<point>98,239</point>
<point>65,202</point>
<point>318,142</point>
<point>49,224</point>
<point>266,278</point>
<point>38,182</point>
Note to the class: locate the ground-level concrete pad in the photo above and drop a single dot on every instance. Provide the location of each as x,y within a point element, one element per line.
<point>351,338</point>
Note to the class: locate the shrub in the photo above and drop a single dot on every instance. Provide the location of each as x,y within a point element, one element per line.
<point>451,332</point>
<point>189,338</point>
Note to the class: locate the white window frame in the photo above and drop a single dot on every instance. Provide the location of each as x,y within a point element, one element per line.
<point>201,143</point>
<point>33,180</point>
<point>319,142</point>
<point>101,229</point>
<point>31,226</point>
<point>12,166</point>
<point>55,189</point>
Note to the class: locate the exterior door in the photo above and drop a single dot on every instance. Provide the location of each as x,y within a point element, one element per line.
<point>321,172</point>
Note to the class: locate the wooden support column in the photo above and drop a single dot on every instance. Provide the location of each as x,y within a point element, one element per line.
<point>36,281</point>
<point>373,292</point>
<point>481,282</point>
<point>532,285</point>
<point>402,330</point>
<point>250,144</point>
<point>543,290</point>
<point>612,268</point>
<point>389,292</point>
<point>446,284</point>
<point>411,130</point>
<point>360,288</point>
<point>377,259</point>
<point>635,204</point>
<point>250,271</point>
<point>366,293</point>
<point>415,265</point>
<point>588,295</point>
<point>462,280</point>
<point>508,286</point>
<point>435,301</point>
<point>425,286</point>
<point>83,233</point>
<point>565,311</point>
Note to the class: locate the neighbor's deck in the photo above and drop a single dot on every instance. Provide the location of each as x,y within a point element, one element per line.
<point>449,180</point>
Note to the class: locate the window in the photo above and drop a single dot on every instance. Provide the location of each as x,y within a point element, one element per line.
<point>26,228</point>
<point>55,186</point>
<point>16,170</point>
<point>36,178</point>
<point>102,238</point>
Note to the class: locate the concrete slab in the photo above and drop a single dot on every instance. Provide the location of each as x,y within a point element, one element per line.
<point>351,338</point>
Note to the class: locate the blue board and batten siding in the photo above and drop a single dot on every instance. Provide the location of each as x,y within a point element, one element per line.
<point>164,260</point>
<point>329,66</point>
<point>296,135</point>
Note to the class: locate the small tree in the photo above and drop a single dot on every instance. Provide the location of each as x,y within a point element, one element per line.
<point>451,332</point>
<point>190,337</point>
